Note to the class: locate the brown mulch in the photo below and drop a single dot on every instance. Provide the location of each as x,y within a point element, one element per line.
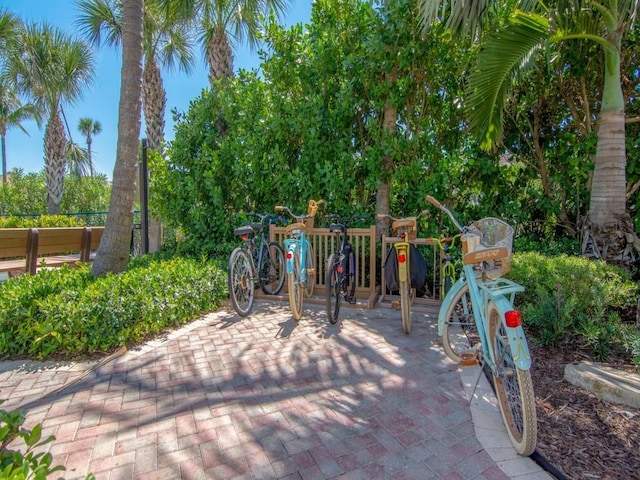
<point>580,435</point>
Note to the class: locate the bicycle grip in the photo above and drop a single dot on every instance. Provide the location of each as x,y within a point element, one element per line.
<point>279,208</point>
<point>433,201</point>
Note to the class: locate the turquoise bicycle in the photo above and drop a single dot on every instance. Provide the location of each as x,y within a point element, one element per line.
<point>477,324</point>
<point>300,260</point>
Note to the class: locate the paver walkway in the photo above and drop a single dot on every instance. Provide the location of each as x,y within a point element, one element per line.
<point>262,397</point>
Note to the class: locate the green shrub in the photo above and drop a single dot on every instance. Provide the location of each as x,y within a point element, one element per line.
<point>43,221</point>
<point>67,312</point>
<point>576,298</point>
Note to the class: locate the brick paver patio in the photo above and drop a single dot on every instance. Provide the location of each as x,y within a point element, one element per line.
<point>261,397</point>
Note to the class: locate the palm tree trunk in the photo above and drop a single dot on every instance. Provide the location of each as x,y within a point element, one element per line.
<point>154,102</point>
<point>383,193</point>
<point>55,142</point>
<point>3,135</point>
<point>113,253</point>
<point>220,57</point>
<point>608,233</point>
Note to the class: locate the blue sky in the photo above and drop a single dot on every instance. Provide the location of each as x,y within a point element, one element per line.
<point>100,101</point>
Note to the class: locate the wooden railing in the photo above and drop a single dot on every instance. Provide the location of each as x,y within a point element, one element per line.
<point>363,241</point>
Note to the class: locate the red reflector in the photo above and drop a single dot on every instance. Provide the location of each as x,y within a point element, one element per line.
<point>289,256</point>
<point>245,238</point>
<point>513,318</point>
<point>339,269</point>
<point>403,235</point>
<point>402,258</point>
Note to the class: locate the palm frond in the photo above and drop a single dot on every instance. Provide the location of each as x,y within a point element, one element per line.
<point>501,60</point>
<point>100,21</point>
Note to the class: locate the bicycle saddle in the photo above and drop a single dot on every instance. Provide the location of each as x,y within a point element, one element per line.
<point>247,229</point>
<point>295,226</point>
<point>336,227</point>
<point>405,222</point>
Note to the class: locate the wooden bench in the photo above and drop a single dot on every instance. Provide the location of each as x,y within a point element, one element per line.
<point>25,249</point>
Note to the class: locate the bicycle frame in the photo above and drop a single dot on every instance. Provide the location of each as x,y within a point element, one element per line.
<point>297,241</point>
<point>502,293</point>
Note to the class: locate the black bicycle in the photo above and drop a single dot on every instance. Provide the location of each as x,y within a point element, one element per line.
<point>257,261</point>
<point>341,267</point>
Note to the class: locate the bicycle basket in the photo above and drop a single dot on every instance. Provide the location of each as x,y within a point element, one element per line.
<point>489,243</point>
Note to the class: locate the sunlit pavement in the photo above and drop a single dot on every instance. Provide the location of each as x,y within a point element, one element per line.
<point>266,397</point>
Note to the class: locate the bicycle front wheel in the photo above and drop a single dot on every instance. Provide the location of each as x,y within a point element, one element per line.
<point>514,389</point>
<point>296,295</point>
<point>272,270</point>
<point>405,306</point>
<point>460,332</point>
<point>240,282</point>
<point>311,272</point>
<point>333,285</point>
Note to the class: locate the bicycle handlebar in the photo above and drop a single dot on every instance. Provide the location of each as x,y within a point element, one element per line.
<point>437,204</point>
<point>346,220</point>
<point>312,210</point>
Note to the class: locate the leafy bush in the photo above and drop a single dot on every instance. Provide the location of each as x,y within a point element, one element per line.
<point>67,312</point>
<point>26,194</point>
<point>576,297</point>
<point>42,221</point>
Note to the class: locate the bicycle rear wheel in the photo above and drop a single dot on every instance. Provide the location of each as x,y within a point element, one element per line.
<point>296,294</point>
<point>405,306</point>
<point>272,270</point>
<point>311,271</point>
<point>240,282</point>
<point>514,389</point>
<point>460,332</point>
<point>334,290</point>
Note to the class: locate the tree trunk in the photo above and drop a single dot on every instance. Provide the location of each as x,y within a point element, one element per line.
<point>608,218</point>
<point>4,156</point>
<point>113,253</point>
<point>220,57</point>
<point>55,142</point>
<point>383,194</point>
<point>154,102</point>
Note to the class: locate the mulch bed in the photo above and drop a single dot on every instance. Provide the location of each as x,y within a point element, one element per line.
<point>580,435</point>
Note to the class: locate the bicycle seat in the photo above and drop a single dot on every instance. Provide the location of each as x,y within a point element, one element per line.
<point>295,228</point>
<point>405,222</point>
<point>247,229</point>
<point>337,227</point>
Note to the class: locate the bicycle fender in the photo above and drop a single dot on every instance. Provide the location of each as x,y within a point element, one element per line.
<point>290,246</point>
<point>453,291</point>
<point>516,336</point>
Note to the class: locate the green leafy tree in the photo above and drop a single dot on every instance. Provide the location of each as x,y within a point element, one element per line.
<point>503,57</point>
<point>89,127</point>
<point>52,68</point>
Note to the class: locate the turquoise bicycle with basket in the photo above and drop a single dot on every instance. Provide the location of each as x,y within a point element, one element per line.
<point>478,324</point>
<point>299,257</point>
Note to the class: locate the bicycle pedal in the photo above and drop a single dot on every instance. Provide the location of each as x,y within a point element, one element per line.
<point>351,300</point>
<point>468,359</point>
<point>395,304</point>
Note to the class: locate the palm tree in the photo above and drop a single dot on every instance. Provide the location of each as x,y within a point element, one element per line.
<point>12,114</point>
<point>113,252</point>
<point>166,43</point>
<point>224,24</point>
<point>52,68</point>
<point>89,127</point>
<point>502,57</point>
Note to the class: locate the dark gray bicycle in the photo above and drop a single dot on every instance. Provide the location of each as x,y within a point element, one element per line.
<point>256,262</point>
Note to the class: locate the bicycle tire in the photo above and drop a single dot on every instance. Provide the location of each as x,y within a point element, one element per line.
<point>296,294</point>
<point>513,387</point>
<point>405,306</point>
<point>240,282</point>
<point>350,288</point>
<point>333,281</point>
<point>272,269</point>
<point>459,321</point>
<point>311,271</point>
